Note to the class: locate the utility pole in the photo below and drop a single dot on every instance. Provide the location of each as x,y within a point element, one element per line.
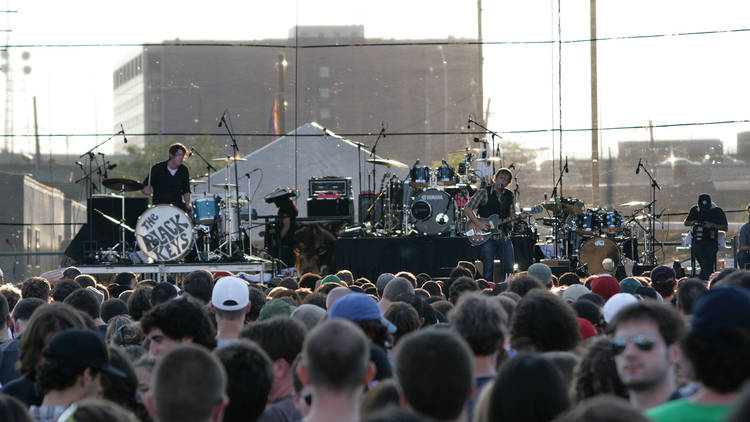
<point>480,103</point>
<point>594,107</point>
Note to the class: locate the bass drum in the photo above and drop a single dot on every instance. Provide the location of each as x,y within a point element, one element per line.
<point>433,212</point>
<point>593,251</point>
<point>164,233</point>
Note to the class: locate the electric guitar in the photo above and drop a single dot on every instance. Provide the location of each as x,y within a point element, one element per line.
<point>477,237</point>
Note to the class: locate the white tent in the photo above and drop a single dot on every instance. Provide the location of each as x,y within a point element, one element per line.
<point>314,152</point>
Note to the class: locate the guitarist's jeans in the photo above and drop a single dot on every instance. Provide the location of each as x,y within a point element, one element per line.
<point>499,248</point>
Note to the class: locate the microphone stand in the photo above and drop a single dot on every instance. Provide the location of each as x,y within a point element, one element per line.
<point>209,167</point>
<point>90,157</point>
<point>235,153</point>
<point>372,157</point>
<point>495,147</point>
<point>650,241</point>
<point>359,168</point>
<point>559,182</point>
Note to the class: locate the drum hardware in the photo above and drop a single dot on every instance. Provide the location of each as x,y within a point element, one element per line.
<point>122,185</point>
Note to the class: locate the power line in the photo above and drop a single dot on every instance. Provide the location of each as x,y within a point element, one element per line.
<point>384,44</point>
<point>364,134</point>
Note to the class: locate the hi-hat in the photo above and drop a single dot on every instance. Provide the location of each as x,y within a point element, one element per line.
<point>633,204</point>
<point>468,150</point>
<point>224,185</point>
<point>197,181</point>
<point>228,159</point>
<point>387,163</point>
<point>126,185</point>
<point>489,159</point>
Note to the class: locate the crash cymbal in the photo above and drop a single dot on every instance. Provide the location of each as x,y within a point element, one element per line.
<point>197,181</point>
<point>489,159</point>
<point>387,163</point>
<point>468,150</point>
<point>126,185</point>
<point>633,204</point>
<point>228,159</point>
<point>557,206</point>
<point>224,185</point>
<point>234,202</point>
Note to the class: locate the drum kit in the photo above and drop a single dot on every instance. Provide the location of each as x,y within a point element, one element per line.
<point>167,233</point>
<point>429,201</point>
<point>589,235</point>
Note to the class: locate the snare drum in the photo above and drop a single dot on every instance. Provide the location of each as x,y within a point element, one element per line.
<point>445,175</point>
<point>419,176</point>
<point>205,210</point>
<point>611,222</point>
<point>164,233</point>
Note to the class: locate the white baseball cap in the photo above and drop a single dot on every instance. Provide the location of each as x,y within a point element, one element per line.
<point>230,294</point>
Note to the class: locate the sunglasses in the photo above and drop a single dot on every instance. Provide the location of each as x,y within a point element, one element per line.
<point>643,342</point>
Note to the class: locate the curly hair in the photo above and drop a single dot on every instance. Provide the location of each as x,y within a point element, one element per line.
<point>181,318</point>
<point>139,302</point>
<point>596,373</point>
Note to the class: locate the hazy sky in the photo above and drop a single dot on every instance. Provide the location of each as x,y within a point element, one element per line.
<point>670,80</point>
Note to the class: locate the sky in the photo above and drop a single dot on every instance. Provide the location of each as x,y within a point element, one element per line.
<point>668,80</point>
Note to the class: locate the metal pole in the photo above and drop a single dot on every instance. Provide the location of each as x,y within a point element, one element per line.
<point>594,111</point>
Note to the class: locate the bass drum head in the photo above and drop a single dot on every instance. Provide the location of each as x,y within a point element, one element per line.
<point>432,211</point>
<point>164,233</point>
<point>594,250</point>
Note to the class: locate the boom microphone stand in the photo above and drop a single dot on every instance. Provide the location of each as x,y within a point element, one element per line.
<point>650,240</point>
<point>236,154</point>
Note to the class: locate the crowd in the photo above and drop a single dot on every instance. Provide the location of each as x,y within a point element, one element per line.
<point>537,347</point>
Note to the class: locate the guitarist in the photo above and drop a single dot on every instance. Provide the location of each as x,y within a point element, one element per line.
<point>494,199</point>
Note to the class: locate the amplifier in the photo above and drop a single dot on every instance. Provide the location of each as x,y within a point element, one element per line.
<point>330,207</point>
<point>330,187</point>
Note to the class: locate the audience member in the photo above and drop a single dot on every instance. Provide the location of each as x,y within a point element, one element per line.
<point>230,302</point>
<point>178,321</point>
<point>249,379</point>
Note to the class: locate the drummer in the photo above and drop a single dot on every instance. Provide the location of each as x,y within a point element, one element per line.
<point>169,180</point>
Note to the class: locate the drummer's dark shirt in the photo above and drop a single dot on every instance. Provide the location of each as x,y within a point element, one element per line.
<point>169,189</point>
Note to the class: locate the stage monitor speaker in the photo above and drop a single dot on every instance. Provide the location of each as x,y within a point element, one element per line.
<point>330,207</point>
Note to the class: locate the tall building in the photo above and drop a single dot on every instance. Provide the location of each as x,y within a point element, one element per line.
<point>337,77</point>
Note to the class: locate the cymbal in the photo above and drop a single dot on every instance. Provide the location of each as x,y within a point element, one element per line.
<point>234,201</point>
<point>228,159</point>
<point>224,185</point>
<point>468,150</point>
<point>489,159</point>
<point>558,206</point>
<point>633,204</point>
<point>197,182</point>
<point>387,163</point>
<point>126,185</point>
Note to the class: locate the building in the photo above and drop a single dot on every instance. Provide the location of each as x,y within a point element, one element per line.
<point>184,87</point>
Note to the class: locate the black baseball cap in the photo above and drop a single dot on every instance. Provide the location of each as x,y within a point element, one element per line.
<point>80,348</point>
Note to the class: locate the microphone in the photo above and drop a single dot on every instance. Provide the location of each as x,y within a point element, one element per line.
<point>512,165</point>
<point>468,126</point>
<point>566,164</point>
<point>111,166</point>
<point>251,171</point>
<point>382,129</point>
<point>221,120</point>
<point>122,131</point>
<point>80,164</point>
<point>638,169</point>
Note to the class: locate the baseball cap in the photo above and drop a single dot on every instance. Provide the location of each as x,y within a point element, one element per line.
<point>585,328</point>
<point>81,348</point>
<point>572,293</point>
<point>605,286</point>
<point>274,308</point>
<point>230,294</point>
<point>615,305</point>
<point>332,279</point>
<point>629,284</point>
<point>219,274</point>
<point>662,272</point>
<point>359,307</point>
<point>721,307</point>
<point>541,272</point>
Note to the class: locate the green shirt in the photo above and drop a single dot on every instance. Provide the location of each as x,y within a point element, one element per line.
<point>684,410</point>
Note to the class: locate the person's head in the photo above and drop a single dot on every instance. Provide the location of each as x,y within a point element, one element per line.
<point>11,293</point>
<point>608,265</point>
<point>127,279</point>
<point>85,280</point>
<point>404,317</point>
<point>199,285</point>
<point>433,288</point>
<point>502,177</point>
<point>429,386</point>
<point>71,273</point>
<point>719,338</point>
<point>704,202</point>
<point>544,322</point>
<point>688,292</point>
<point>243,361</point>
<point>603,408</point>
<point>309,314</point>
<point>461,286</point>
<point>139,302</point>
<point>22,313</point>
<point>481,321</point>
<point>95,410</point>
<point>12,409</point>
<point>645,343</point>
<point>520,384</point>
<point>122,331</point>
<point>308,280</point>
<point>364,311</point>
<point>230,299</point>
<point>397,287</point>
<point>144,367</point>
<point>522,284</point>
<point>111,308</point>
<point>382,281</point>
<point>177,152</point>
<point>177,321</point>
<point>346,276</point>
<point>36,287</point>
<point>257,301</point>
<point>85,301</point>
<point>73,361</point>
<point>605,286</point>
<point>335,359</point>
<point>541,272</point>
<point>409,276</point>
<point>45,322</point>
<point>162,292</point>
<point>118,389</point>
<point>188,385</point>
<point>596,373</point>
